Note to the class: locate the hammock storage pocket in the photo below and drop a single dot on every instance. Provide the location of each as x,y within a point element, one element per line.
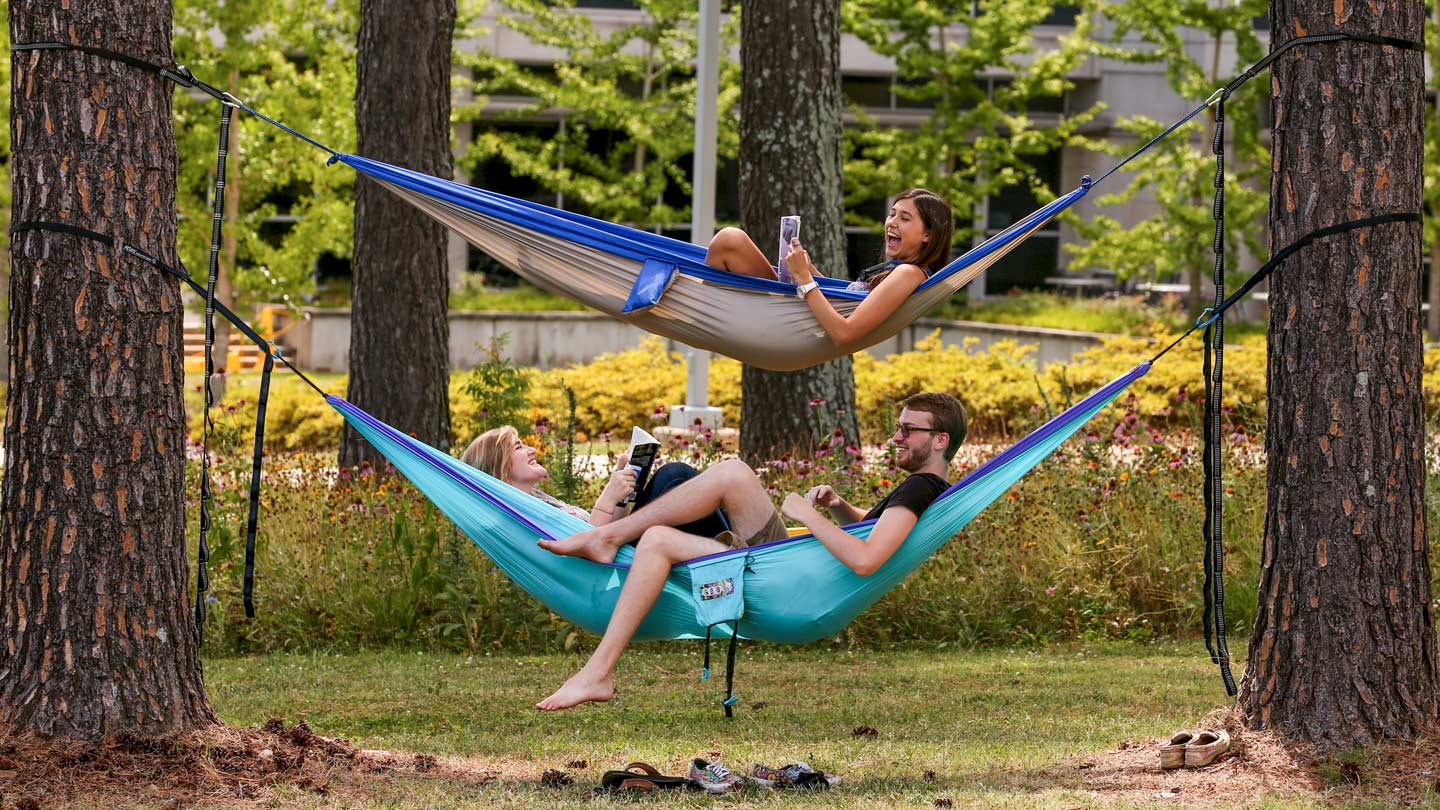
<point>718,587</point>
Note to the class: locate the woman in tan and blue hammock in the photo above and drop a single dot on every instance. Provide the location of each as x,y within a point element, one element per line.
<point>918,231</point>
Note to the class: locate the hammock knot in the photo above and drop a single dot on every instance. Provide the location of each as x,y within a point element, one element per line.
<point>1086,182</point>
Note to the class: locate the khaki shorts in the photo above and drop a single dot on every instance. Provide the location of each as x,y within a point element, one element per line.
<point>774,529</point>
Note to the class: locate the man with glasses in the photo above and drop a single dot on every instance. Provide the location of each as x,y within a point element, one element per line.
<point>930,430</point>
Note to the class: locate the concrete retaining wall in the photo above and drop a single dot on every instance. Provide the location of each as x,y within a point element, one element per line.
<point>321,340</point>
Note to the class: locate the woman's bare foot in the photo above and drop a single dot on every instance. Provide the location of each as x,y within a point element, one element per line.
<point>581,688</point>
<point>592,544</point>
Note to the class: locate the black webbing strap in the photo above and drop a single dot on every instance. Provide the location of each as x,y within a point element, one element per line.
<point>202,554</point>
<point>178,74</point>
<point>730,698</point>
<point>253,520</point>
<point>1278,259</point>
<point>1374,39</point>
<point>1214,563</point>
<point>271,355</point>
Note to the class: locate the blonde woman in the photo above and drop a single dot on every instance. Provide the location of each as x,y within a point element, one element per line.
<point>501,453</point>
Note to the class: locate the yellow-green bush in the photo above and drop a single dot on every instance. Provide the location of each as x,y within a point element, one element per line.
<point>1000,385</point>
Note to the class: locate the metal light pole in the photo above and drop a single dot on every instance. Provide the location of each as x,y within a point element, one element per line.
<point>702,205</point>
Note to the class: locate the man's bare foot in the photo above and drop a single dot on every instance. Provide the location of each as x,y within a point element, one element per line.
<point>592,544</point>
<point>581,688</point>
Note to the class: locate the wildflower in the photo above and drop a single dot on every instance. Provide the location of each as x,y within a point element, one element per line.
<point>1050,590</point>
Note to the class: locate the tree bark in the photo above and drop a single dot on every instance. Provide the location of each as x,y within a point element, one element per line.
<point>400,337</point>
<point>790,163</point>
<point>1343,650</point>
<point>97,629</point>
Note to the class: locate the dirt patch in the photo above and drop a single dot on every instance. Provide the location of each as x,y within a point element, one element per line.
<point>218,764</point>
<point>1259,765</point>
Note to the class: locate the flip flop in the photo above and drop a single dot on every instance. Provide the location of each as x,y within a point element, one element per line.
<point>642,777</point>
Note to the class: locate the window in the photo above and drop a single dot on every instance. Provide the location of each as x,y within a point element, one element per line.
<point>1027,266</point>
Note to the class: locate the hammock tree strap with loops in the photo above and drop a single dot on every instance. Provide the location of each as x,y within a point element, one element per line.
<point>271,355</point>
<point>1214,562</point>
<point>202,554</point>
<point>1214,362</point>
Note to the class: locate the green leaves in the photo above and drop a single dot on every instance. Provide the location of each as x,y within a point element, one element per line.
<point>298,68</point>
<point>624,97</point>
<point>979,133</point>
<point>1179,172</point>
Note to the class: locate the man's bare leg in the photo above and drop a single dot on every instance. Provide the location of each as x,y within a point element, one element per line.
<point>729,484</point>
<point>732,249</point>
<point>660,548</point>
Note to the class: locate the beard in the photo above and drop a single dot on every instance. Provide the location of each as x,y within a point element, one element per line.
<point>916,459</point>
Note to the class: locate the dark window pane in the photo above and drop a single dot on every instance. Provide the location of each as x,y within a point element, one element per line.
<point>1046,104</point>
<point>1012,204</point>
<point>727,191</point>
<point>1061,15</point>
<point>866,91</point>
<point>1025,267</point>
<point>1261,23</point>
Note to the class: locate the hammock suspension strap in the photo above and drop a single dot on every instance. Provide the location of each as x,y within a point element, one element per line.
<point>272,353</point>
<point>730,697</point>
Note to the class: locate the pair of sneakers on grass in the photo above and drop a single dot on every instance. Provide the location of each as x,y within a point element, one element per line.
<point>716,778</point>
<point>713,777</point>
<point>930,429</point>
<point>1193,749</point>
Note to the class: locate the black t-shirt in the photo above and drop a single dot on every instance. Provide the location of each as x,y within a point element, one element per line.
<point>915,493</point>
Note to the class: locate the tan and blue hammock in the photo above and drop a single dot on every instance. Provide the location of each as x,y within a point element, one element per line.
<point>663,285</point>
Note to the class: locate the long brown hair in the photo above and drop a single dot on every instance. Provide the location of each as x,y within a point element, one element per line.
<point>492,451</point>
<point>936,217</point>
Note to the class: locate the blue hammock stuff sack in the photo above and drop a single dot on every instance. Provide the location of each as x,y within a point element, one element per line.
<point>717,584</point>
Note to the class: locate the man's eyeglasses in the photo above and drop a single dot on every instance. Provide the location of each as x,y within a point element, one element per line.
<point>905,430</point>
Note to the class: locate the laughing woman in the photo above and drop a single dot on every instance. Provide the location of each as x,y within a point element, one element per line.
<point>918,230</point>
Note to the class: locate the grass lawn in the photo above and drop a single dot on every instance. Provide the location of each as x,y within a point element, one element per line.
<point>999,728</point>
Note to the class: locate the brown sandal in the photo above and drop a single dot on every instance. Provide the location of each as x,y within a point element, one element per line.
<point>641,777</point>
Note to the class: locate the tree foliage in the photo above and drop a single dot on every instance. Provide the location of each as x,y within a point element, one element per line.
<point>1179,172</point>
<point>297,65</point>
<point>980,134</point>
<point>627,101</point>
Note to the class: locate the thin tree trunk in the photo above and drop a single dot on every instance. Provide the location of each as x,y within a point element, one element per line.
<point>790,163</point>
<point>98,634</point>
<point>400,338</point>
<point>1343,650</point>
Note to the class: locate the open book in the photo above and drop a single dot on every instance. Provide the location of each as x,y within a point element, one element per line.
<point>789,229</point>
<point>643,450</point>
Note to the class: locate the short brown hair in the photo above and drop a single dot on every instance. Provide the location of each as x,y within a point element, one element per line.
<point>491,451</point>
<point>946,414</point>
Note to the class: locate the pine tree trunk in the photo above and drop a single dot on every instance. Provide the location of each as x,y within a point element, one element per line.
<point>98,635</point>
<point>1343,651</point>
<point>790,163</point>
<point>399,335</point>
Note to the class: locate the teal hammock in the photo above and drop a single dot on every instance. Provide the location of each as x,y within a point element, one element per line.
<point>794,590</point>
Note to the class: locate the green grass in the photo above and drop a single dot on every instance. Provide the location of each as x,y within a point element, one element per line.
<point>1125,315</point>
<point>999,728</point>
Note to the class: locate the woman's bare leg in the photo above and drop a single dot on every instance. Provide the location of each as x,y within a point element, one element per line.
<point>732,249</point>
<point>660,548</point>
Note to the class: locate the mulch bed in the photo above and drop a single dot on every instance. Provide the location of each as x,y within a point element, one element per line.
<point>1258,765</point>
<point>216,765</point>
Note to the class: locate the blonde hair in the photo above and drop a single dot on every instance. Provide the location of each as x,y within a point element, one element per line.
<point>492,450</point>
